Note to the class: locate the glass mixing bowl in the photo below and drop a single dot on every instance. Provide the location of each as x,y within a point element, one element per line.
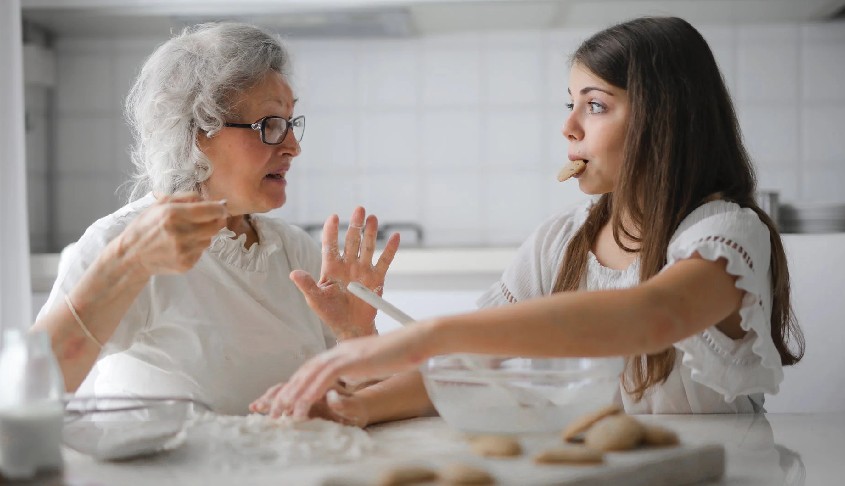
<point>512,395</point>
<point>118,428</point>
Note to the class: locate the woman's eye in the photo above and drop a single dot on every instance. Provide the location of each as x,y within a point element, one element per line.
<point>570,106</point>
<point>596,107</point>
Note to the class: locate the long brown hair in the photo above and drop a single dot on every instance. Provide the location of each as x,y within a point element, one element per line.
<point>683,145</point>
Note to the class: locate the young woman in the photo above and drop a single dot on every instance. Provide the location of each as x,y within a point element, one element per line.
<point>672,264</point>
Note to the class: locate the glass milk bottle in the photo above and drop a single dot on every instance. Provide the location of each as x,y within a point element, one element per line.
<point>31,410</point>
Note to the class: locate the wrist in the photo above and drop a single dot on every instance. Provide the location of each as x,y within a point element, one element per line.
<point>352,332</point>
<point>120,257</point>
<point>431,338</point>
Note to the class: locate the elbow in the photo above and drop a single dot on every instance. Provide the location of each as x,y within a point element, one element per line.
<point>69,352</point>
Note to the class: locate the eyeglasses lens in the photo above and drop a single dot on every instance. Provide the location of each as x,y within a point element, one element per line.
<point>298,126</point>
<point>274,130</point>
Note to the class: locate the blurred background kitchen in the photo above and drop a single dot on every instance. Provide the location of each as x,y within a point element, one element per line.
<point>441,117</point>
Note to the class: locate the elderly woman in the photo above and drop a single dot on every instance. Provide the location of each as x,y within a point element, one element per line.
<point>188,290</point>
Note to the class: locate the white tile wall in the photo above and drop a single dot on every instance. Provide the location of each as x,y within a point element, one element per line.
<point>512,77</point>
<point>824,134</point>
<point>450,139</point>
<point>36,99</point>
<point>508,196</point>
<point>769,129</point>
<point>460,132</point>
<point>37,132</point>
<point>330,195</point>
<point>823,61</point>
<point>392,197</point>
<point>514,139</point>
<point>390,74</point>
<point>125,69</point>
<point>823,183</point>
<point>330,142</point>
<point>767,61</point>
<point>38,213</point>
<point>786,179</point>
<point>390,140</point>
<point>452,208</point>
<point>327,75</point>
<point>82,200</point>
<point>559,45</point>
<point>37,143</point>
<point>84,83</point>
<point>451,76</point>
<point>85,144</point>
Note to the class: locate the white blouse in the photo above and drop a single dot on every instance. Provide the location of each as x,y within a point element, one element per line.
<point>713,373</point>
<point>222,332</point>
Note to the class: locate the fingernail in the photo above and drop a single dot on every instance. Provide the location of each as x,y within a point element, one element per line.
<point>332,396</point>
<point>300,411</point>
<point>223,201</point>
<point>275,411</point>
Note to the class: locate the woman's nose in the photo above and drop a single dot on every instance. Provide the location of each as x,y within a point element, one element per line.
<point>290,145</point>
<point>571,129</point>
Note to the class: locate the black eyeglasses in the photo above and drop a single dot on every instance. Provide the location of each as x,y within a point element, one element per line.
<point>274,129</point>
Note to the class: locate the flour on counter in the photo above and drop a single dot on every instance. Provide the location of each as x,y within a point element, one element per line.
<point>236,442</point>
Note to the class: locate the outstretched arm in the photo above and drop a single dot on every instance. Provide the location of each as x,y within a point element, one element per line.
<point>685,299</point>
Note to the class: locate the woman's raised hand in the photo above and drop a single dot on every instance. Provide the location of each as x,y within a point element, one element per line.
<point>347,315</point>
<point>171,235</point>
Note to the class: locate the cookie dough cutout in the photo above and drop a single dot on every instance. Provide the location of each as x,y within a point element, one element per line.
<point>573,431</point>
<point>404,475</point>
<point>573,168</point>
<point>615,433</point>
<point>569,455</point>
<point>495,446</point>
<point>463,474</point>
<point>657,436</point>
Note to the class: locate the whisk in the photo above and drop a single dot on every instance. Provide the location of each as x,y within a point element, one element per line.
<point>77,406</point>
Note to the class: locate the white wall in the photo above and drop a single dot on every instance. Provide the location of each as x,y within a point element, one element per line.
<point>459,132</point>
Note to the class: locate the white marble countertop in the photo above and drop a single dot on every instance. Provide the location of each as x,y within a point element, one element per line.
<point>791,449</point>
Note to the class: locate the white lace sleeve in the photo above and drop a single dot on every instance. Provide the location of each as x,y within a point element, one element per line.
<point>750,364</point>
<point>533,271</point>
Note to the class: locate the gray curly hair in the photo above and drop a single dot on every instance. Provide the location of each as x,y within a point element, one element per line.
<point>187,85</point>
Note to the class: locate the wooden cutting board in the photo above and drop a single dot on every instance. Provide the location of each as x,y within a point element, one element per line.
<point>653,467</point>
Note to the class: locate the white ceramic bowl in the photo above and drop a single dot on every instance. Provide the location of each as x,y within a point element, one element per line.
<point>510,395</point>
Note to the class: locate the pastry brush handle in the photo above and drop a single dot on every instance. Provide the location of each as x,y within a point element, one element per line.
<point>376,301</point>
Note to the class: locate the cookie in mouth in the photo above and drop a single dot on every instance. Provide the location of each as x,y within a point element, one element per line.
<point>573,168</point>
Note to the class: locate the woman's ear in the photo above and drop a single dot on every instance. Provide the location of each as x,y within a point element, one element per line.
<point>203,142</point>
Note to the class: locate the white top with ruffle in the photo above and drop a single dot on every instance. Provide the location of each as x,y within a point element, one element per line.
<point>713,373</point>
<point>223,332</point>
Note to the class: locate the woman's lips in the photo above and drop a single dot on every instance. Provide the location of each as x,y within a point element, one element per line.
<point>276,177</point>
<point>573,169</point>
